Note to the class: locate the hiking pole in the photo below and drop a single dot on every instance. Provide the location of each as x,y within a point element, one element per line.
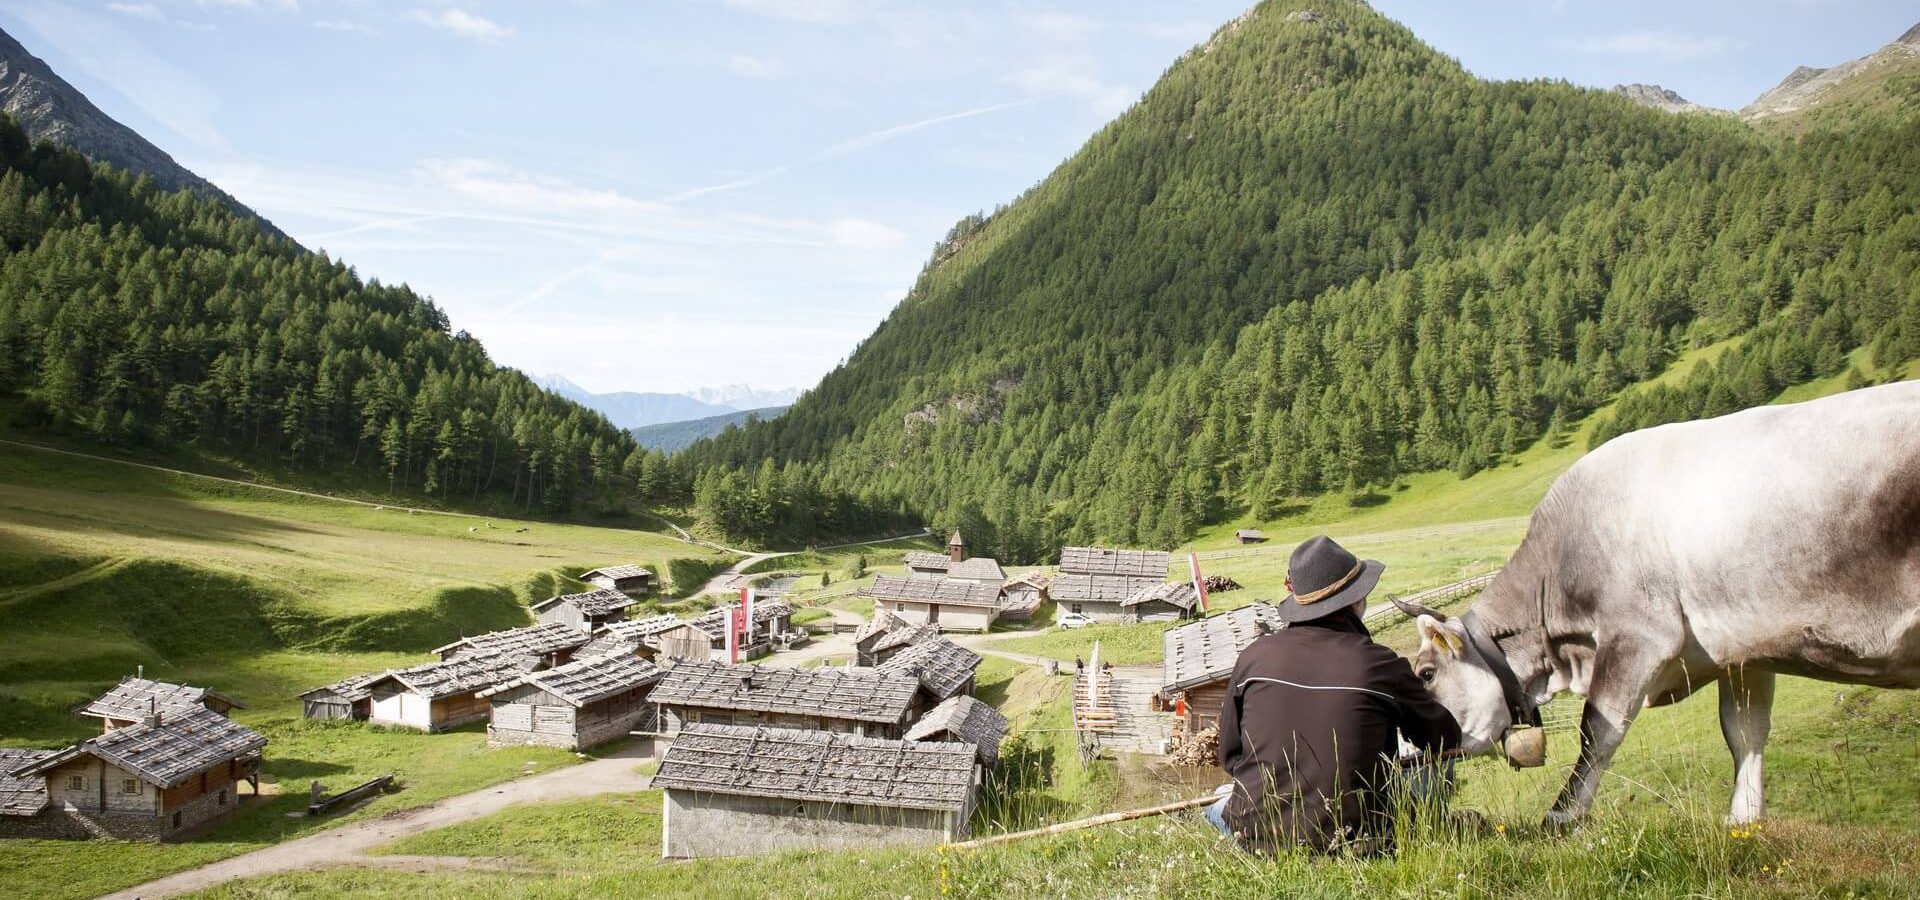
<point>1077,824</point>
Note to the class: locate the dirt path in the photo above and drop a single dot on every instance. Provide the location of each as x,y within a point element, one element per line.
<point>347,845</point>
<point>736,577</point>
<point>983,644</point>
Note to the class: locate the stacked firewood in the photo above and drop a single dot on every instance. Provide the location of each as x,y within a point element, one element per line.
<point>1217,583</point>
<point>1201,748</point>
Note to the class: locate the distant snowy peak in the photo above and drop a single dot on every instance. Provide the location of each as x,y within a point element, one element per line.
<point>634,409</point>
<point>742,396</point>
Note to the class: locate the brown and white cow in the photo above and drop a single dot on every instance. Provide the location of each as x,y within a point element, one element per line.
<point>1782,539</point>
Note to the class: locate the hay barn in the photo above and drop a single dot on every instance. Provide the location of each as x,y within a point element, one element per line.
<point>579,705</point>
<point>587,611</point>
<point>545,644</point>
<point>625,579</point>
<point>855,701</point>
<point>949,604</point>
<point>733,791</point>
<point>347,699</point>
<point>438,696</point>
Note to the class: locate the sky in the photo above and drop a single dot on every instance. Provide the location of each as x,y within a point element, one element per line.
<point>670,194</point>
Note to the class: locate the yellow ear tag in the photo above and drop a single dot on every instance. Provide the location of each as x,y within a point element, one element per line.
<point>1450,642</point>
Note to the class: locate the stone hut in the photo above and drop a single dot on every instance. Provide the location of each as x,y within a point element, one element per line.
<point>159,778</point>
<point>587,611</point>
<point>576,706</point>
<point>545,644</point>
<point>135,697</point>
<point>854,701</point>
<point>964,720</point>
<point>1102,598</point>
<point>625,579</point>
<point>1198,661</point>
<point>347,698</point>
<point>949,604</point>
<point>733,790</point>
<point>438,696</point>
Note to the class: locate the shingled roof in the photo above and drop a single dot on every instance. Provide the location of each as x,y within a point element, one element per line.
<point>532,640</point>
<point>819,766</point>
<point>21,795</point>
<point>1205,650</point>
<point>1100,588</point>
<point>463,674</point>
<point>641,629</point>
<point>944,591</point>
<point>922,559</point>
<point>182,745</point>
<point>942,666</point>
<point>860,695</point>
<point>617,572</point>
<point>1177,593</point>
<point>133,698</point>
<point>966,720</point>
<point>352,688</point>
<point>605,644</point>
<point>1109,561</point>
<point>978,568</point>
<point>583,681</point>
<point>592,603</point>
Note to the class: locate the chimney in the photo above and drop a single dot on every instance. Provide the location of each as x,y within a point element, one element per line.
<point>746,682</point>
<point>956,548</point>
<point>140,671</point>
<point>152,719</point>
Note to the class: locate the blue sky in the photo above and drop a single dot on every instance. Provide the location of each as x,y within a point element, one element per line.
<point>670,194</point>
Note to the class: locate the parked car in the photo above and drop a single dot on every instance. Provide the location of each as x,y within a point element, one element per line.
<point>1072,620</point>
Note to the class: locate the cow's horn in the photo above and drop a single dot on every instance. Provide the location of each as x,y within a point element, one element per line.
<point>1415,610</point>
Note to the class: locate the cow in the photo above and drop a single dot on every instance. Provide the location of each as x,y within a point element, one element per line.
<point>1775,540</point>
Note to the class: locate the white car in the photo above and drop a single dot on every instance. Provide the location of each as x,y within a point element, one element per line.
<point>1072,620</point>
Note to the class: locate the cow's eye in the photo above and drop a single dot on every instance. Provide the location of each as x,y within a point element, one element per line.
<point>1426,674</point>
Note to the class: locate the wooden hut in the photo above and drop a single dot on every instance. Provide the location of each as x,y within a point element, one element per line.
<point>628,579</point>
<point>158,778</point>
<point>438,696</point>
<point>135,697</point>
<point>545,644</point>
<point>583,703</point>
<point>714,622</point>
<point>1102,598</point>
<point>943,668</point>
<point>886,634</point>
<point>733,790</point>
<point>856,701</point>
<point>1250,536</point>
<point>587,612</point>
<point>347,699</point>
<point>949,604</point>
<point>1198,661</point>
<point>924,562</point>
<point>1168,601</point>
<point>1111,561</point>
<point>964,720</point>
<point>1022,595</point>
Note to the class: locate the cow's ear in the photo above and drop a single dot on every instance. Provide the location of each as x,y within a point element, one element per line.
<point>1436,634</point>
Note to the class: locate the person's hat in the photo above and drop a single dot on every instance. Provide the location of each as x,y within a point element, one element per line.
<point>1324,578</point>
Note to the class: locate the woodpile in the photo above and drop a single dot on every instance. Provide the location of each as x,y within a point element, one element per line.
<point>1202,748</point>
<point>1216,583</point>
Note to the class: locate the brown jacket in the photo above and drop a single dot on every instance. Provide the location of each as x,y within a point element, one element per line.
<point>1307,732</point>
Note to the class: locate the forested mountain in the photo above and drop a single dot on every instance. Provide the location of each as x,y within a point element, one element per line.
<point>142,318</point>
<point>50,109</point>
<point>672,436</point>
<point>1317,255</point>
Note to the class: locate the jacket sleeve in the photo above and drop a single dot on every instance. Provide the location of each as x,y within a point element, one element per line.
<point>1423,721</point>
<point>1230,745</point>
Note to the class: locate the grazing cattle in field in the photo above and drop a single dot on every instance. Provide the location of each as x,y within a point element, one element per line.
<point>1782,539</point>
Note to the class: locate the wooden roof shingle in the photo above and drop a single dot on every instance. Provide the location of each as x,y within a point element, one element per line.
<point>532,640</point>
<point>1205,650</point>
<point>942,666</point>
<point>944,591</point>
<point>463,674</point>
<point>133,698</point>
<point>21,795</point>
<point>923,559</point>
<point>641,629</point>
<point>964,719</point>
<point>860,695</point>
<point>1075,588</point>
<point>1176,593</point>
<point>1111,561</point>
<point>819,766</point>
<point>586,680</point>
<point>592,603</point>
<point>627,571</point>
<point>978,568</point>
<point>351,688</point>
<point>182,745</point>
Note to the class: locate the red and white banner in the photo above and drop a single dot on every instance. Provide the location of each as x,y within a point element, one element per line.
<point>747,598</point>
<point>1199,583</point>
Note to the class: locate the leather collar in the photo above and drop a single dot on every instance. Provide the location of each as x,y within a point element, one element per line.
<point>1520,707</point>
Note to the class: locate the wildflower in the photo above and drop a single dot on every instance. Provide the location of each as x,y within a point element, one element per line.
<point>1501,828</point>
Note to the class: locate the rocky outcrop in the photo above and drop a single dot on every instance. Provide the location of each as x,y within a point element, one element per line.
<point>1807,86</point>
<point>1659,98</point>
<point>50,109</point>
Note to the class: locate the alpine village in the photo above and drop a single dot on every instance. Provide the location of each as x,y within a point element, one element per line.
<point>304,594</point>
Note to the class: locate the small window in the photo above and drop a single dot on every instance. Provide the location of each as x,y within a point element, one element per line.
<point>1076,607</point>
<point>223,797</point>
<point>129,785</point>
<point>899,607</point>
<point>76,782</point>
<point>176,820</point>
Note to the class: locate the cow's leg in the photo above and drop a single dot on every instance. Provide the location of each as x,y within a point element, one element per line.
<point>1618,690</point>
<point>1746,714</point>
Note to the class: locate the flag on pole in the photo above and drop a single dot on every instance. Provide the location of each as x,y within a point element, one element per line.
<point>1199,584</point>
<point>747,598</point>
<point>737,628</point>
<point>733,643</point>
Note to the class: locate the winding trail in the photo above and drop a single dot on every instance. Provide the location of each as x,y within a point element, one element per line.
<point>347,845</point>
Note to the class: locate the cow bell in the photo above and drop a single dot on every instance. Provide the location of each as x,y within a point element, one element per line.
<point>1525,747</point>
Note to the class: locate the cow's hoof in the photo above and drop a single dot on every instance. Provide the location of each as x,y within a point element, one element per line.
<point>1741,819</point>
<point>1561,822</point>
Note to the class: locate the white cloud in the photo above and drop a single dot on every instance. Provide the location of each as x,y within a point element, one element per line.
<point>249,4</point>
<point>860,234</point>
<point>346,27</point>
<point>1663,44</point>
<point>465,24</point>
<point>751,67</point>
<point>1065,80</point>
<point>199,26</point>
<point>818,12</point>
<point>137,10</point>
<point>500,185</point>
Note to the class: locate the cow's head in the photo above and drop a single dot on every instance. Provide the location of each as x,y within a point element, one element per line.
<point>1462,681</point>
